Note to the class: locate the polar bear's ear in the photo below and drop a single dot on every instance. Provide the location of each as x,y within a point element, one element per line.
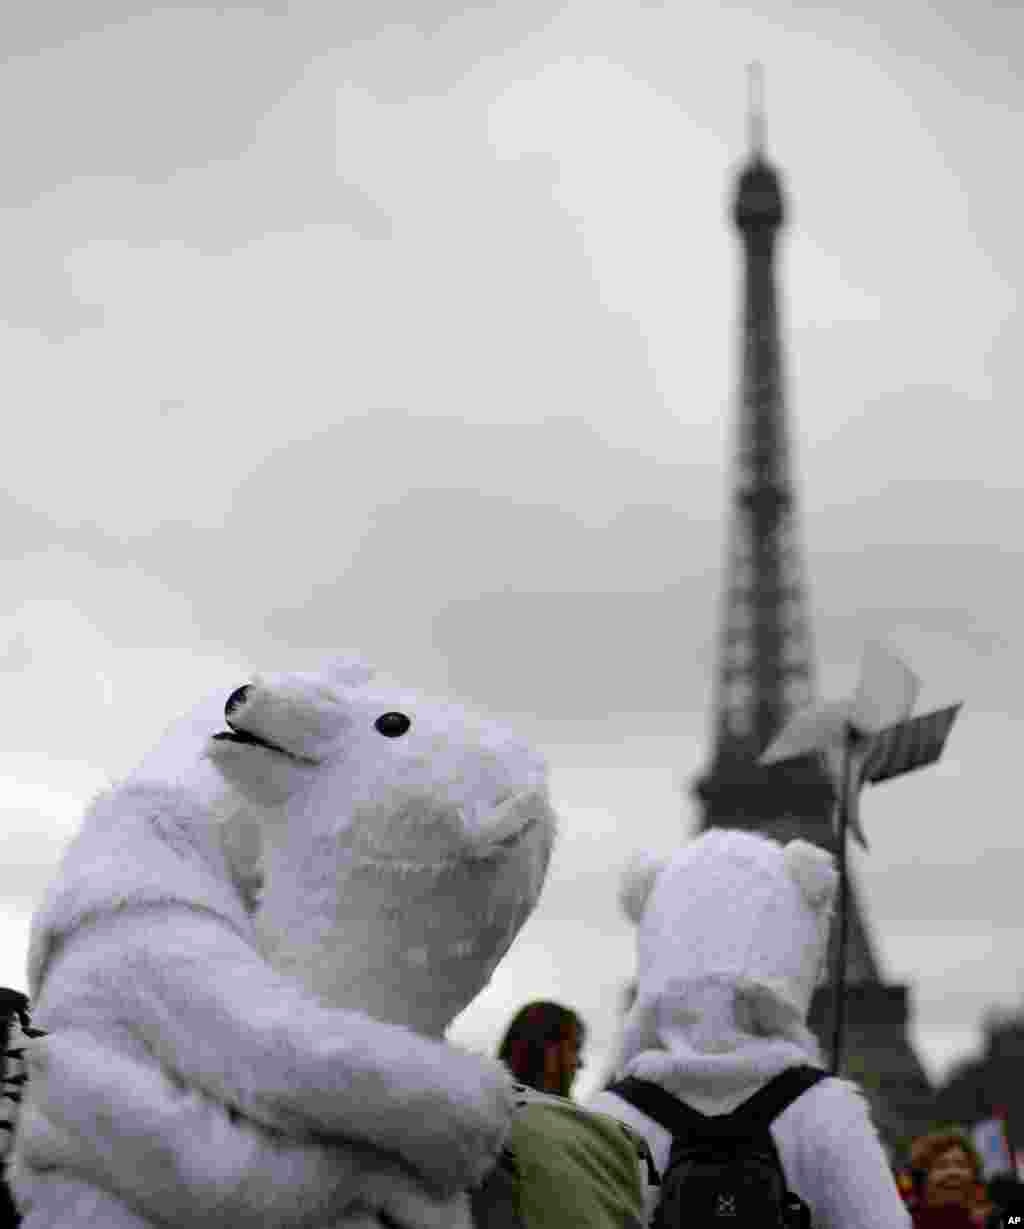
<point>349,670</point>
<point>637,882</point>
<point>814,872</point>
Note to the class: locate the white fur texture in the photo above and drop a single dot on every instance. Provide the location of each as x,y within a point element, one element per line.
<point>815,872</point>
<point>637,884</point>
<point>432,846</point>
<point>146,973</point>
<point>729,948</point>
<point>144,951</point>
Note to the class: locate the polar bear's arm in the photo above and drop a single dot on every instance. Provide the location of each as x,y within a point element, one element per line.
<point>176,1156</point>
<point>211,1010</point>
<point>53,1201</point>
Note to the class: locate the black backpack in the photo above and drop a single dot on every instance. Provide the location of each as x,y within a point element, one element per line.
<point>724,1170</point>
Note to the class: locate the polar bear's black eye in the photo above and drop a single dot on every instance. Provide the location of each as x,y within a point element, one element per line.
<point>392,725</point>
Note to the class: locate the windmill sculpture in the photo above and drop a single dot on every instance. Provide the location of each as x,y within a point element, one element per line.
<point>867,738</point>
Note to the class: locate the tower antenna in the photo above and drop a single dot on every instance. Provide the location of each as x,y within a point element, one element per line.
<point>755,108</point>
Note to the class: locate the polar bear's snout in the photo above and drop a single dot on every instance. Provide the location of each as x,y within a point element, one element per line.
<point>290,714</point>
<point>237,733</point>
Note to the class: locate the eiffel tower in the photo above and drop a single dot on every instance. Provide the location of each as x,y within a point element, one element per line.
<point>766,663</point>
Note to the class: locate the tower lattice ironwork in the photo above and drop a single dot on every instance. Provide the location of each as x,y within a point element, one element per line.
<point>765,668</point>
<point>765,661</point>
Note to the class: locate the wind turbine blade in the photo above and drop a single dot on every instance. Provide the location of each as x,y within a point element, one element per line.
<point>818,727</point>
<point>909,745</point>
<point>886,691</point>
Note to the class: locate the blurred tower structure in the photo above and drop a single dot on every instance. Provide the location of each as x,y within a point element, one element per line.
<point>765,669</point>
<point>980,1084</point>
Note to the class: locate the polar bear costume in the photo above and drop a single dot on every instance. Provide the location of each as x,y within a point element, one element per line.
<point>189,1076</point>
<point>732,940</point>
<point>400,866</point>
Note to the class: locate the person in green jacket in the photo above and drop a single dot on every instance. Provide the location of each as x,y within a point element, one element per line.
<point>542,1047</point>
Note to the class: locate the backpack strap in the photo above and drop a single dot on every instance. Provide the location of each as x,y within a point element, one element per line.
<point>674,1115</point>
<point>760,1110</point>
<point>752,1117</point>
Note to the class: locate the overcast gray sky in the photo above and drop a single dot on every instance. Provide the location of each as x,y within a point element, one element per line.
<point>409,327</point>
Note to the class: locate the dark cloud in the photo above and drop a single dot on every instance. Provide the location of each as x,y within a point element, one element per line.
<point>23,529</point>
<point>213,125</point>
<point>609,651</point>
<point>105,90</point>
<point>37,295</point>
<point>942,26</point>
<point>110,92</point>
<point>390,520</point>
<point>140,95</point>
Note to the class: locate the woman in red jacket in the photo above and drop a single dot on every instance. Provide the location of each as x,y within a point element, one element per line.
<point>950,1188</point>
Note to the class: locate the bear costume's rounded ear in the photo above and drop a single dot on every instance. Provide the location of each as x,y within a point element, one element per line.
<point>349,670</point>
<point>813,870</point>
<point>637,883</point>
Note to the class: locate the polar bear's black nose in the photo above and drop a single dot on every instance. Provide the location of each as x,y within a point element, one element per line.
<point>237,697</point>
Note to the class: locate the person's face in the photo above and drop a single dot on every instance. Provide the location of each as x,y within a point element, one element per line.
<point>561,1062</point>
<point>950,1179</point>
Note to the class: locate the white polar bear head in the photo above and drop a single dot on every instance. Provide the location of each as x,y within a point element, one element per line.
<point>732,937</point>
<point>404,841</point>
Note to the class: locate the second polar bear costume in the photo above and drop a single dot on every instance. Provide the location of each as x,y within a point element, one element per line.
<point>206,1084</point>
<point>732,941</point>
